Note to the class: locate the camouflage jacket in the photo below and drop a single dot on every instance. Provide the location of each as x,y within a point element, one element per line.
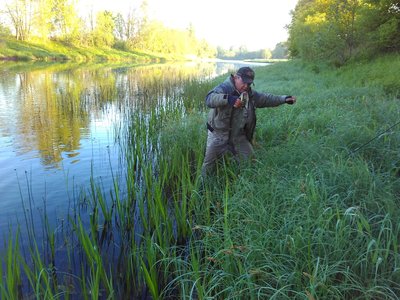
<point>236,121</point>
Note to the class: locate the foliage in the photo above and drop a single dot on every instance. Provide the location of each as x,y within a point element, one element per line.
<point>45,20</point>
<point>4,30</point>
<point>103,33</point>
<point>242,53</point>
<point>337,31</point>
<point>279,52</point>
<point>20,14</point>
<point>157,38</point>
<point>65,22</point>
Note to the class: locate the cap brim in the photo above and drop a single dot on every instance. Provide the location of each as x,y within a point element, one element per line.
<point>247,80</point>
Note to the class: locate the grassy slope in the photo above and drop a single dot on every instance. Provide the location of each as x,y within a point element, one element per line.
<point>17,50</point>
<point>313,217</point>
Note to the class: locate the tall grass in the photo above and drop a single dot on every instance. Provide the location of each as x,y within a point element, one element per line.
<point>314,216</point>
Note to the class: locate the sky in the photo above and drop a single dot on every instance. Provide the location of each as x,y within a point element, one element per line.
<point>255,24</point>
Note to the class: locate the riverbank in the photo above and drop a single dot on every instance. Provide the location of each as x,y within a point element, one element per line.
<point>314,216</point>
<point>11,49</point>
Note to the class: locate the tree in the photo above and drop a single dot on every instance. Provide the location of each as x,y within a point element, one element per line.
<point>280,51</point>
<point>4,30</point>
<point>136,26</point>
<point>127,28</point>
<point>119,27</point>
<point>337,30</point>
<point>132,25</point>
<point>379,24</point>
<point>65,20</point>
<point>21,14</point>
<point>265,54</point>
<point>42,25</point>
<point>103,33</point>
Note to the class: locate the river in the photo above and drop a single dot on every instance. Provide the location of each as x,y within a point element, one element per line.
<point>59,127</point>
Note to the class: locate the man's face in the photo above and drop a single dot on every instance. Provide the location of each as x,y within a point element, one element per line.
<point>240,85</point>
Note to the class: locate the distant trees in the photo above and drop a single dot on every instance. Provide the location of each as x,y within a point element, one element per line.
<point>330,30</point>
<point>280,51</point>
<point>59,20</point>
<point>337,30</point>
<point>155,37</point>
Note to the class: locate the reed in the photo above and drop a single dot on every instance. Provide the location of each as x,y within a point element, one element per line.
<point>99,281</point>
<point>11,281</point>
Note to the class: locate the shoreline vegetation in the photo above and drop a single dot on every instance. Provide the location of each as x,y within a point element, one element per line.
<point>52,51</point>
<point>14,50</point>
<point>314,216</point>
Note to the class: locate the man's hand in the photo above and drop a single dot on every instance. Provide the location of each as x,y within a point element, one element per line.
<point>239,103</point>
<point>235,101</point>
<point>232,100</point>
<point>290,100</point>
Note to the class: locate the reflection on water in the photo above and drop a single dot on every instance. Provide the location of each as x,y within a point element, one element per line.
<point>59,124</point>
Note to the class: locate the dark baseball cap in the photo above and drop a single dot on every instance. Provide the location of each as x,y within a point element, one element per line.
<point>247,74</point>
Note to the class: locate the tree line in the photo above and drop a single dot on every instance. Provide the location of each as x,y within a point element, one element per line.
<point>279,52</point>
<point>59,20</point>
<point>328,30</point>
<point>340,30</point>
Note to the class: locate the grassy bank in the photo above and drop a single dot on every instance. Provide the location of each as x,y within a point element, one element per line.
<point>11,49</point>
<point>314,216</point>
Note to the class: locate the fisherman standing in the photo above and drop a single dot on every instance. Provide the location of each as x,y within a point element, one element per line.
<point>232,118</point>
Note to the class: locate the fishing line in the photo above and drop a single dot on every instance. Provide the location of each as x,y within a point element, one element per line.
<point>375,137</point>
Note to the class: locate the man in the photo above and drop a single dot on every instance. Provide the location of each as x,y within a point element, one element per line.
<point>232,118</point>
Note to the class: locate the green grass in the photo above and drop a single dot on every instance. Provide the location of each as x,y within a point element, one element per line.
<point>314,216</point>
<point>12,49</point>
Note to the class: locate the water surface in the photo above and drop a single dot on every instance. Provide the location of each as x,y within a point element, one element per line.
<point>60,126</point>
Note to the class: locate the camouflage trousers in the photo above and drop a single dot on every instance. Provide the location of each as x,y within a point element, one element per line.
<point>218,145</point>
